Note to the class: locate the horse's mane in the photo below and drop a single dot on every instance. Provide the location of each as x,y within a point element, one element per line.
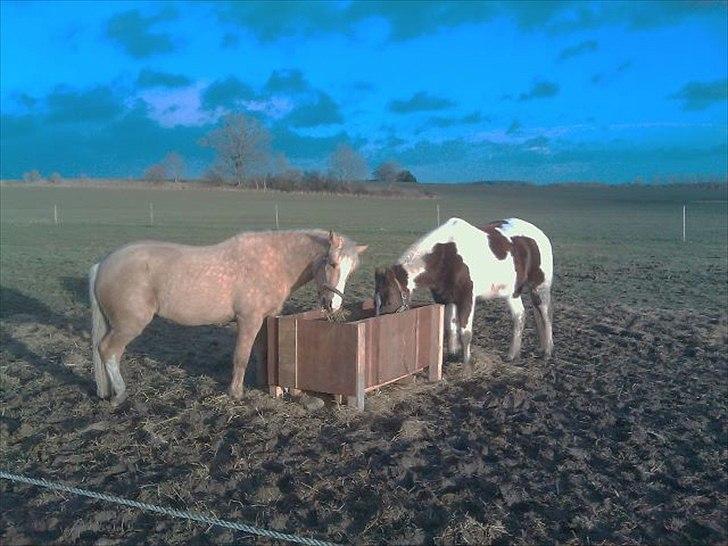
<point>322,235</point>
<point>414,251</point>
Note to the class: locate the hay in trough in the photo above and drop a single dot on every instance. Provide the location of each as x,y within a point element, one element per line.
<point>340,315</point>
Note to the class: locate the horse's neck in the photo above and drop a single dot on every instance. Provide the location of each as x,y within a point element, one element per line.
<point>413,263</point>
<point>302,261</point>
<point>413,260</point>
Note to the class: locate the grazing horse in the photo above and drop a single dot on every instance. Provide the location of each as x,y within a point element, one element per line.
<point>244,278</point>
<point>459,262</point>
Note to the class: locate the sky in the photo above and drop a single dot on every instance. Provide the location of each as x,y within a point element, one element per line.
<point>454,91</point>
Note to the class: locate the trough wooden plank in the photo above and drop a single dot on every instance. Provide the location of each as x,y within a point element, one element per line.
<point>272,353</point>
<point>327,354</point>
<point>358,399</point>
<point>371,347</point>
<point>435,340</point>
<point>287,351</point>
<point>424,331</point>
<point>395,346</point>
<point>419,339</point>
<point>427,335</point>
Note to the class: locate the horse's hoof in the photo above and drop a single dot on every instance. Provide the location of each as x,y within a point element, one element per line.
<point>103,395</point>
<point>540,353</point>
<point>236,394</point>
<point>118,402</point>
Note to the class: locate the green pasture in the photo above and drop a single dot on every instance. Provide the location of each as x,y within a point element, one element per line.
<point>612,244</point>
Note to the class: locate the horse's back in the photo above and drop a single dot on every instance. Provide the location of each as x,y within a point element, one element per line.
<point>136,259</point>
<point>184,283</point>
<point>497,251</point>
<point>515,227</point>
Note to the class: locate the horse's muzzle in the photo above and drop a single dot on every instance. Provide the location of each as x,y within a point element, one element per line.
<point>327,302</point>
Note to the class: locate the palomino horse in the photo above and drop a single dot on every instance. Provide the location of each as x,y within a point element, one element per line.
<point>244,278</point>
<point>459,263</point>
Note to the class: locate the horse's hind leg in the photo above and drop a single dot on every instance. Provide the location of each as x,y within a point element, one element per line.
<point>452,328</point>
<point>539,319</point>
<point>465,324</point>
<point>112,349</point>
<point>519,320</point>
<point>541,298</point>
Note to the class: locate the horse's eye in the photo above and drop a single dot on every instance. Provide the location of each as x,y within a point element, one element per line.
<point>333,264</point>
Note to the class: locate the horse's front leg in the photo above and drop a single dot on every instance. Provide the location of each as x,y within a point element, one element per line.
<point>519,319</point>
<point>248,328</point>
<point>259,355</point>
<point>451,326</point>
<point>465,328</point>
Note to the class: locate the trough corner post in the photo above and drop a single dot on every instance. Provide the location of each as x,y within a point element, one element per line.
<point>435,370</point>
<point>358,399</point>
<point>271,356</point>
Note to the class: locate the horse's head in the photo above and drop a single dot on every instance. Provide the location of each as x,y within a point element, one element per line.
<point>391,294</point>
<point>334,268</point>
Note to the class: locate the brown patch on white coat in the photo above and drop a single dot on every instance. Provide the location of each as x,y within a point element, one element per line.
<point>244,278</point>
<point>459,263</point>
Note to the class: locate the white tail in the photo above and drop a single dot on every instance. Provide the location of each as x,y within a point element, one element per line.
<point>99,327</point>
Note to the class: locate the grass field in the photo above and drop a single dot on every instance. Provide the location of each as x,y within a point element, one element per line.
<point>621,438</point>
<point>614,234</point>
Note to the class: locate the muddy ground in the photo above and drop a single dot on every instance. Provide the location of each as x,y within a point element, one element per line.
<point>621,438</point>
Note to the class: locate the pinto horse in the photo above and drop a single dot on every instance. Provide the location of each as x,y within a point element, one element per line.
<point>245,278</point>
<point>459,262</point>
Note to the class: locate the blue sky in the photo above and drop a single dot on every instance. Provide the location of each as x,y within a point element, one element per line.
<point>538,91</point>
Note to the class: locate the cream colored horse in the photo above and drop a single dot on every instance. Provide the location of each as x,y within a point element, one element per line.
<point>244,278</point>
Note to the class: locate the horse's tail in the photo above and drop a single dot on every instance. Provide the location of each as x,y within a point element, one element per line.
<point>99,327</point>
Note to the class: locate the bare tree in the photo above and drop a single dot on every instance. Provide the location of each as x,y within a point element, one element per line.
<point>347,165</point>
<point>174,165</point>
<point>32,176</point>
<point>213,177</point>
<point>280,164</point>
<point>387,172</point>
<point>242,145</point>
<point>155,173</point>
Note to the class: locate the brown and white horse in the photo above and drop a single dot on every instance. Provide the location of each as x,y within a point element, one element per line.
<point>244,278</point>
<point>459,262</point>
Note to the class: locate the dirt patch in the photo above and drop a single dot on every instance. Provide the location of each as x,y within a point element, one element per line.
<point>621,437</point>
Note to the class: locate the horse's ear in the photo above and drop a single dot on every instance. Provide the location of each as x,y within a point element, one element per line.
<point>378,274</point>
<point>361,248</point>
<point>335,240</point>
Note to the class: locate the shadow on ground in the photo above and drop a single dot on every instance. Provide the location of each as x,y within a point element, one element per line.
<point>200,350</point>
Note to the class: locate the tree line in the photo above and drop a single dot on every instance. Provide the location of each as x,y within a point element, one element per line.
<point>244,158</point>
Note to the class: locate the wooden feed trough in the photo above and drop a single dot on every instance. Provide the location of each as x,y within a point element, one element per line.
<point>308,352</point>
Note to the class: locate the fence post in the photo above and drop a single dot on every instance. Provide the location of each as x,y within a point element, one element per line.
<point>277,224</point>
<point>438,213</point>
<point>684,215</point>
<point>151,214</point>
<point>55,214</point>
